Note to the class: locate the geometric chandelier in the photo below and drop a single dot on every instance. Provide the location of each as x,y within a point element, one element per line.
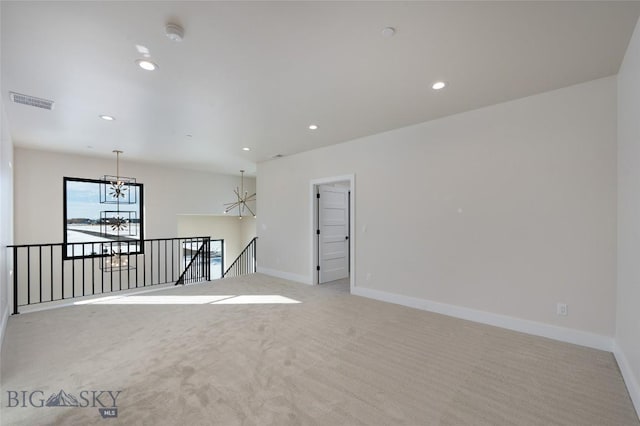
<point>117,190</point>
<point>242,198</point>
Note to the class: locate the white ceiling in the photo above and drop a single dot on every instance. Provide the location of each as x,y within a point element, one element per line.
<point>256,74</point>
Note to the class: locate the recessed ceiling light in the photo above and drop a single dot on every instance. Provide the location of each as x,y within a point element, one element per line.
<point>107,117</point>
<point>147,65</point>
<point>189,135</point>
<point>388,32</point>
<point>246,149</point>
<point>438,85</point>
<point>313,127</point>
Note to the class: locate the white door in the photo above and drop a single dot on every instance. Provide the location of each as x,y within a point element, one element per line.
<point>333,240</point>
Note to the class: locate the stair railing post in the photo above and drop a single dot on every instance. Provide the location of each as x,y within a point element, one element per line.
<point>15,281</point>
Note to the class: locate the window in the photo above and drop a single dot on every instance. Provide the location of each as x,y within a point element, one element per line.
<point>102,217</point>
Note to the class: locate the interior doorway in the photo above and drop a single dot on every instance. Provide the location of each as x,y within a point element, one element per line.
<point>332,207</point>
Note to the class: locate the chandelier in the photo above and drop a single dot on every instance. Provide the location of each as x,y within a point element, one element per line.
<point>242,198</point>
<point>116,190</point>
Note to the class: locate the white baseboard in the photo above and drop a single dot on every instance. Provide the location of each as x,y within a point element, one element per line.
<point>3,325</point>
<point>285,275</point>
<point>563,334</point>
<point>629,378</point>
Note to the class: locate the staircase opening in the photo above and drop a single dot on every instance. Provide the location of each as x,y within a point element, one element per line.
<point>236,233</point>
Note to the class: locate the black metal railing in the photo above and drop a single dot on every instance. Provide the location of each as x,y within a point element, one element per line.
<point>57,271</point>
<point>199,266</point>
<point>245,263</point>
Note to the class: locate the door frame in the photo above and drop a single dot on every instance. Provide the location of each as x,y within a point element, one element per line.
<point>313,223</point>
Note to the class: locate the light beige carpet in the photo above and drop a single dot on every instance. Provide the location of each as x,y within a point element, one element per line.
<point>333,359</point>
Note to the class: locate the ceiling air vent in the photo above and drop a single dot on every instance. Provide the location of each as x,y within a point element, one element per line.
<point>31,100</point>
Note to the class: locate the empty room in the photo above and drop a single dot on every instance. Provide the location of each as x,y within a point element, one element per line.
<point>320,213</point>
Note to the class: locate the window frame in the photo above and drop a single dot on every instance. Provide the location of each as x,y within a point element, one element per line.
<point>139,240</point>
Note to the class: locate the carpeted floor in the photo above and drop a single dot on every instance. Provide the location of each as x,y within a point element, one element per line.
<point>197,356</point>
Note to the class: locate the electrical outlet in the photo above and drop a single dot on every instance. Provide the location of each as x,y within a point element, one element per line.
<point>562,309</point>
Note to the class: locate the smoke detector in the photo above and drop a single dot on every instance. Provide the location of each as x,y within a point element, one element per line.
<point>388,32</point>
<point>31,101</point>
<point>175,32</point>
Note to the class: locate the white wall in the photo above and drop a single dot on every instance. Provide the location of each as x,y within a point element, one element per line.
<point>167,192</point>
<point>6,218</point>
<point>247,231</point>
<point>508,209</point>
<point>628,310</point>
<point>235,232</point>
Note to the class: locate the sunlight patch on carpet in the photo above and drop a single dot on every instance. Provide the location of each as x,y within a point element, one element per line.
<point>246,299</point>
<point>256,299</point>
